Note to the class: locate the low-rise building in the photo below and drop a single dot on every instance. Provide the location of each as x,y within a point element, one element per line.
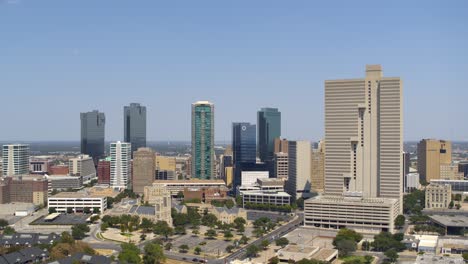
<point>160,197</point>
<point>176,186</point>
<point>223,214</point>
<point>28,239</point>
<point>453,245</point>
<point>58,170</point>
<point>24,189</point>
<point>433,259</point>
<point>64,182</point>
<point>77,202</point>
<point>265,197</point>
<point>299,252</point>
<point>25,255</point>
<point>427,243</point>
<point>438,196</point>
<point>83,166</point>
<point>458,186</point>
<point>206,195</point>
<point>155,213</point>
<point>39,166</point>
<point>370,215</point>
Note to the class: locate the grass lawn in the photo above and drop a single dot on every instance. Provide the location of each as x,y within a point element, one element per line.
<point>356,259</point>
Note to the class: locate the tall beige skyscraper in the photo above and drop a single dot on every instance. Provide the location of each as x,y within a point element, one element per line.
<point>363,135</point>
<point>298,183</point>
<point>317,167</point>
<point>433,153</point>
<point>144,167</point>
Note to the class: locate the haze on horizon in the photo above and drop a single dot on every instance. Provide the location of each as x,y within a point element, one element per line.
<point>59,58</point>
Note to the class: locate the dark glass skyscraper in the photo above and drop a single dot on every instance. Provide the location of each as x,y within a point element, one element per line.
<point>135,125</point>
<point>244,142</point>
<point>203,155</point>
<point>92,134</point>
<point>269,128</point>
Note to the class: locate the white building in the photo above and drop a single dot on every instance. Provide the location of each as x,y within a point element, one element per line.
<point>77,201</point>
<point>298,184</point>
<point>249,178</point>
<point>266,197</point>
<point>281,165</point>
<point>15,159</point>
<point>411,182</point>
<point>83,166</point>
<point>120,171</point>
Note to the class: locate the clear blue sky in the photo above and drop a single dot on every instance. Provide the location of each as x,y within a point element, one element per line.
<point>60,58</point>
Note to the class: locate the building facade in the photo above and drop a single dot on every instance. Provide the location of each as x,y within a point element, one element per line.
<point>120,165</point>
<point>451,172</point>
<point>83,166</point>
<point>431,154</point>
<point>144,168</point>
<point>299,160</point>
<point>15,159</point>
<point>203,155</point>
<point>39,166</point>
<point>103,171</point>
<point>269,128</point>
<point>159,196</point>
<point>92,134</point>
<point>244,142</point>
<point>24,189</point>
<point>77,202</point>
<point>281,160</point>
<point>176,186</point>
<point>135,125</point>
<point>317,167</point>
<point>438,196</point>
<point>281,145</point>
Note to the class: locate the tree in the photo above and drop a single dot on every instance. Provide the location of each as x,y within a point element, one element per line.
<point>282,242</point>
<point>3,223</point>
<point>345,247</point>
<point>210,233</point>
<point>154,254</point>
<point>414,202</point>
<point>183,248</point>
<point>392,255</point>
<point>228,235</point>
<point>457,197</point>
<point>229,204</point>
<point>180,195</point>
<point>197,250</point>
<point>162,228</point>
<point>265,243</point>
<point>252,251</point>
<point>273,260</point>
<point>168,246</point>
<point>129,254</point>
<point>244,240</point>
<point>65,237</point>
<point>385,241</point>
<point>209,220</point>
<point>368,259</point>
<point>451,204</point>
<point>142,237</point>
<point>400,221</point>
<point>465,256</point>
<point>104,227</point>
<point>146,225</point>
<point>52,210</point>
<point>230,248</point>
<point>86,210</point>
<point>239,222</point>
<point>94,218</point>
<point>79,231</point>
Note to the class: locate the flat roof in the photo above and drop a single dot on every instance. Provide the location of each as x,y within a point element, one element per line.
<point>266,193</point>
<point>351,200</point>
<point>450,220</point>
<point>76,195</point>
<point>189,181</point>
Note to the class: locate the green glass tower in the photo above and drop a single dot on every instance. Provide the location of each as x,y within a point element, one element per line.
<point>203,155</point>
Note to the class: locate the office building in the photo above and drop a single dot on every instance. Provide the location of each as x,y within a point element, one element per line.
<point>363,153</point>
<point>206,195</point>
<point>458,186</point>
<point>103,171</point>
<point>176,186</point>
<point>92,134</point>
<point>249,178</point>
<point>269,128</point>
<point>281,165</point>
<point>431,154</point>
<point>60,169</point>
<point>144,167</point>
<point>277,198</point>
<point>281,145</point>
<point>225,162</point>
<point>406,162</point>
<point>166,163</point>
<point>83,166</point>
<point>165,175</point>
<point>159,196</point>
<point>244,143</point>
<point>135,125</point>
<point>121,170</point>
<point>245,168</point>
<point>229,175</point>
<point>450,172</point>
<point>411,182</point>
<point>64,182</point>
<point>24,189</point>
<point>77,202</point>
<point>1,168</point>
<point>317,166</point>
<point>203,155</point>
<point>298,184</point>
<point>438,196</point>
<point>39,166</point>
<point>15,159</point>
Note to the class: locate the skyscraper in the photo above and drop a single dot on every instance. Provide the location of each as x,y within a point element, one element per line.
<point>433,153</point>
<point>269,128</point>
<point>135,125</point>
<point>244,142</point>
<point>144,167</point>
<point>121,169</point>
<point>298,184</point>
<point>15,159</point>
<point>363,161</point>
<point>317,167</point>
<point>92,134</point>
<point>203,155</point>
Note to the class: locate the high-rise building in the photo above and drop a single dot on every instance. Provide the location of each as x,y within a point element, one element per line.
<point>144,167</point>
<point>298,184</point>
<point>281,145</point>
<point>203,155</point>
<point>317,166</point>
<point>225,161</point>
<point>135,125</point>
<point>281,165</point>
<point>15,159</point>
<point>363,153</point>
<point>103,171</point>
<point>431,154</point>
<point>121,169</point>
<point>244,142</point>
<point>269,128</point>
<point>92,134</point>
<point>83,166</point>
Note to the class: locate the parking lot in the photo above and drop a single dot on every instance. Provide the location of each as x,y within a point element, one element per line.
<point>63,219</point>
<point>212,247</point>
<point>254,215</point>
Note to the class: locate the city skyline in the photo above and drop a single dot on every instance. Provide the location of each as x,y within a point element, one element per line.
<point>270,54</point>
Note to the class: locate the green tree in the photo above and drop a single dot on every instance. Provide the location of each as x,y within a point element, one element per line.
<point>228,235</point>
<point>239,223</point>
<point>265,243</point>
<point>104,227</point>
<point>52,210</point>
<point>273,260</point>
<point>282,242</point>
<point>465,256</point>
<point>142,237</point>
<point>252,251</point>
<point>183,248</point>
<point>129,254</point>
<point>385,241</point>
<point>180,195</point>
<point>243,240</point>
<point>196,231</point>
<point>368,259</point>
<point>154,254</point>
<point>345,247</point>
<point>79,231</point>
<point>87,210</point>
<point>392,255</point>
<point>3,223</point>
<point>399,221</point>
<point>197,250</point>
<point>162,228</point>
<point>457,197</point>
<point>168,246</point>
<point>146,225</point>
<point>180,230</point>
<point>210,233</point>
<point>65,237</point>
<point>209,220</point>
<point>451,204</point>
<point>230,248</point>
<point>229,204</point>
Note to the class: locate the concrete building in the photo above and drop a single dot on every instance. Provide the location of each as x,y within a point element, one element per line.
<point>92,134</point>
<point>24,189</point>
<point>462,167</point>
<point>317,166</point>
<point>83,166</point>
<point>1,168</point>
<point>411,182</point>
<point>224,162</point>
<point>281,165</point>
<point>450,172</point>
<point>299,181</point>
<point>159,196</point>
<point>58,170</point>
<point>206,195</point>
<point>167,163</point>
<point>406,163</point>
<point>431,154</point>
<point>203,155</point>
<point>15,159</point>
<point>249,178</point>
<point>265,197</point>
<point>77,202</point>
<point>103,171</point>
<point>458,186</point>
<point>135,126</point>
<point>144,167</point>
<point>39,166</point>
<point>438,196</point>
<point>281,145</point>
<point>64,182</point>
<point>363,160</point>
<point>176,186</point>
<point>166,175</point>
<point>121,170</point>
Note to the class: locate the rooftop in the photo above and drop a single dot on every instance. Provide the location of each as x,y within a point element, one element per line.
<point>351,200</point>
<point>77,195</point>
<point>192,181</point>
<point>266,193</point>
<point>451,220</point>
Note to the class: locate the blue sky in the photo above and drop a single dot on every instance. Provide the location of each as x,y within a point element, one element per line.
<point>60,58</point>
